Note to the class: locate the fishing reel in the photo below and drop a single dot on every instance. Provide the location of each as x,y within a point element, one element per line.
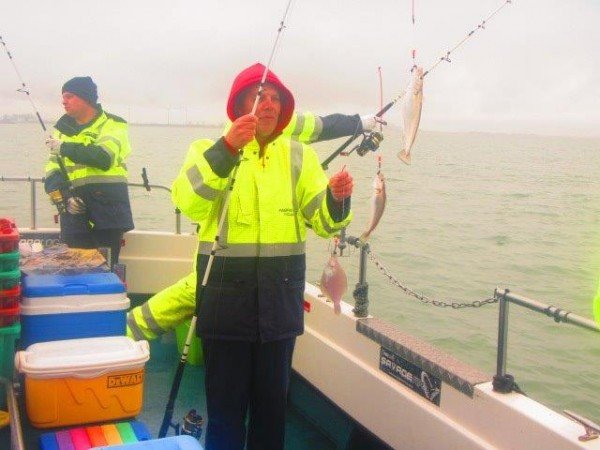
<point>369,143</point>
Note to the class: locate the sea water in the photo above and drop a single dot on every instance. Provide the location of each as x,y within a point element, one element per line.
<point>473,212</point>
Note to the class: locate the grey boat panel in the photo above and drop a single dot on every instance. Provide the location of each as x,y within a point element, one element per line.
<point>459,375</point>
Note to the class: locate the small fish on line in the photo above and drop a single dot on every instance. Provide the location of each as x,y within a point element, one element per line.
<point>412,102</point>
<point>334,282</point>
<point>377,205</point>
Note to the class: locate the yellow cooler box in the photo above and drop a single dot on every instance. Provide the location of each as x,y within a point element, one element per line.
<point>83,380</point>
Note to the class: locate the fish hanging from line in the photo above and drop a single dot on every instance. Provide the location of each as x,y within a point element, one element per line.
<point>377,205</point>
<point>412,102</point>
<point>334,282</point>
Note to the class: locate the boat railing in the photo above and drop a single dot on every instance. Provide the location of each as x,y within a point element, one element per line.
<point>33,197</point>
<point>502,381</point>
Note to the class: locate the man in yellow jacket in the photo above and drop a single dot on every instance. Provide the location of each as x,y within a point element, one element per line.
<point>173,305</point>
<point>90,189</point>
<point>250,308</point>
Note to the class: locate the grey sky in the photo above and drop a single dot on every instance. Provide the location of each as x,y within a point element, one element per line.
<point>533,69</point>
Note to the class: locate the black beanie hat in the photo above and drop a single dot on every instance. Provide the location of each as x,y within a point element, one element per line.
<point>82,87</point>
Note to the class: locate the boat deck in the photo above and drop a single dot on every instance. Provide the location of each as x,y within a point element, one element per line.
<point>300,433</point>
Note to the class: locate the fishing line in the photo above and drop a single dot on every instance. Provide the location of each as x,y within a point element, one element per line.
<point>414,37</point>
<point>445,57</point>
<point>480,26</point>
<point>25,90</point>
<point>168,415</point>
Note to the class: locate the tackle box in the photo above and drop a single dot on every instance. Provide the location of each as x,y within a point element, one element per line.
<point>57,307</point>
<point>9,236</point>
<point>79,381</point>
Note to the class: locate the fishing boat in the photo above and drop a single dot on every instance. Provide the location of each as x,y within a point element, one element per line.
<point>358,381</point>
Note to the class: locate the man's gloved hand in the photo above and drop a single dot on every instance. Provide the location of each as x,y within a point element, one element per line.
<point>341,185</point>
<point>53,145</point>
<point>370,121</point>
<point>75,206</point>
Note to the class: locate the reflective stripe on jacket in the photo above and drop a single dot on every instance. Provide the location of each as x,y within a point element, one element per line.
<point>164,310</point>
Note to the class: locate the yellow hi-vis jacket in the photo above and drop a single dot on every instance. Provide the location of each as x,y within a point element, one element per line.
<point>171,306</point>
<point>259,267</point>
<point>107,132</point>
<point>94,156</point>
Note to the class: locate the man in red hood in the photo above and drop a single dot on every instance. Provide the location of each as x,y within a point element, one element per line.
<point>251,308</point>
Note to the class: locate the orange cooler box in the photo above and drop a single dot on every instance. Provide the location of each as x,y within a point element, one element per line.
<point>79,381</point>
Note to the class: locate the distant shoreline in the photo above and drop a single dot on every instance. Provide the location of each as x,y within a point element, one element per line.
<point>390,128</point>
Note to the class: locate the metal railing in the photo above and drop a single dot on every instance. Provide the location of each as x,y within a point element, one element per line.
<point>33,197</point>
<point>504,382</point>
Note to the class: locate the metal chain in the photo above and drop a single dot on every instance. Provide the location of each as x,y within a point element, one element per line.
<point>423,298</point>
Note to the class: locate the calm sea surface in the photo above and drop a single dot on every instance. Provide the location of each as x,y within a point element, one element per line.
<point>473,212</point>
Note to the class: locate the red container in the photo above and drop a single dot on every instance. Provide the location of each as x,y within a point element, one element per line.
<point>9,316</point>
<point>9,298</point>
<point>9,236</point>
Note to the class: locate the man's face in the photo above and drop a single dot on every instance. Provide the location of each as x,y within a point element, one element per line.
<point>267,111</point>
<point>74,106</point>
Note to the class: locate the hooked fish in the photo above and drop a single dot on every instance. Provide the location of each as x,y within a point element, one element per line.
<point>334,282</point>
<point>412,101</point>
<point>377,205</point>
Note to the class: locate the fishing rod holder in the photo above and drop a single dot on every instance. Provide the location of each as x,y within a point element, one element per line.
<point>502,381</point>
<point>361,290</point>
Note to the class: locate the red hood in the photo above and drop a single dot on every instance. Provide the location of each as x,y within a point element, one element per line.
<point>251,76</point>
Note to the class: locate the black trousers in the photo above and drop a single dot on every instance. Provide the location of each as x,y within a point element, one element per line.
<point>96,238</point>
<point>246,378</point>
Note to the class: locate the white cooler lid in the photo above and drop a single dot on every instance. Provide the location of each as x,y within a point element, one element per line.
<point>82,358</point>
<point>74,304</point>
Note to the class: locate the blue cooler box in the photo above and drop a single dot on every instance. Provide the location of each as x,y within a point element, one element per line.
<point>57,307</point>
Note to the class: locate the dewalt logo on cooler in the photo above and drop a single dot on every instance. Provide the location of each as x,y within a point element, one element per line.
<point>127,379</point>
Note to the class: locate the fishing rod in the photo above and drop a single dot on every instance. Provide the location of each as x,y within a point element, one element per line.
<point>25,90</point>
<point>167,418</point>
<point>444,58</point>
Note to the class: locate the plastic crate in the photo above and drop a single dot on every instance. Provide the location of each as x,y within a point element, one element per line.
<point>8,316</point>
<point>9,280</point>
<point>9,261</point>
<point>8,337</point>
<point>9,298</point>
<point>9,236</point>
